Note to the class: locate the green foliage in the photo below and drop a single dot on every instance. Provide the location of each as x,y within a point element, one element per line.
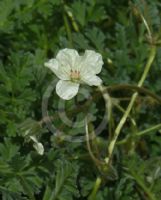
<point>33,31</point>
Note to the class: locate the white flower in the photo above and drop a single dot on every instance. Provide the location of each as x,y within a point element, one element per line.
<point>73,70</point>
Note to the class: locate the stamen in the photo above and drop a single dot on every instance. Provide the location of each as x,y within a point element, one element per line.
<point>74,75</point>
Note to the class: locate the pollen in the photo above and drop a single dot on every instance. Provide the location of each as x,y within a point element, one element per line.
<point>74,74</point>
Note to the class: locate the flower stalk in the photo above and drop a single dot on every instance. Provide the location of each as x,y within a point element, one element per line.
<point>129,108</point>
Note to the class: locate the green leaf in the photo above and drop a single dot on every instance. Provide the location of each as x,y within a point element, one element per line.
<point>96,37</point>
<point>65,181</point>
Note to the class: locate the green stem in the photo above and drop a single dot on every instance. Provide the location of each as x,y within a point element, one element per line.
<point>108,102</point>
<point>153,128</point>
<point>69,33</point>
<point>122,110</point>
<point>148,65</point>
<point>97,162</point>
<point>71,17</point>
<point>133,98</point>
<point>95,189</point>
<point>148,130</point>
<point>108,106</point>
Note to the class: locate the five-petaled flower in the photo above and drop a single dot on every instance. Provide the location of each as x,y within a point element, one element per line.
<point>73,70</point>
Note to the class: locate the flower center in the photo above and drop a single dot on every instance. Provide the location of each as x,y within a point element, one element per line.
<point>74,75</point>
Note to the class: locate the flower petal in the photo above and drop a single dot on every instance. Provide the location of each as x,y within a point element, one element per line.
<point>53,64</point>
<point>39,148</point>
<point>91,80</point>
<point>66,89</point>
<point>67,58</point>
<point>92,62</point>
<point>37,145</point>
